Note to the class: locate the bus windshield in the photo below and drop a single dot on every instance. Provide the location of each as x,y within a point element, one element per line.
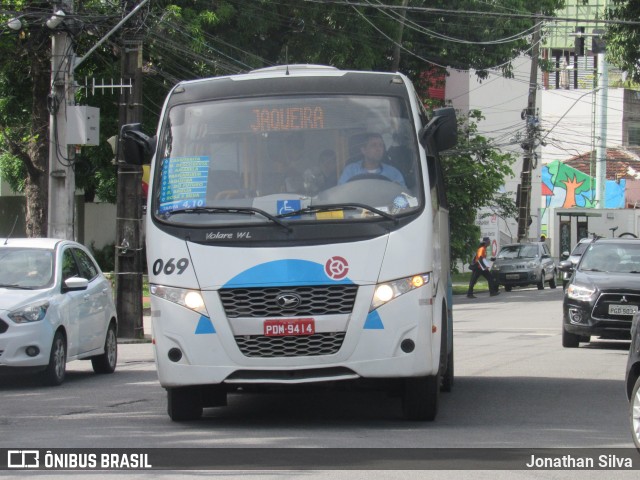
<point>287,159</point>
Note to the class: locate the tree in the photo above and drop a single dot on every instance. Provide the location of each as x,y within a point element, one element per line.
<point>24,118</point>
<point>474,171</point>
<point>623,41</point>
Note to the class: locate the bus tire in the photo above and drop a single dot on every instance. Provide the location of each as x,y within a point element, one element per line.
<point>448,375</point>
<point>184,404</point>
<point>420,398</point>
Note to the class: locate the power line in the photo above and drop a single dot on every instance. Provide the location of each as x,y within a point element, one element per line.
<point>532,16</point>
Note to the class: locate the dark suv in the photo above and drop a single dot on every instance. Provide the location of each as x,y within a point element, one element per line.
<point>604,292</point>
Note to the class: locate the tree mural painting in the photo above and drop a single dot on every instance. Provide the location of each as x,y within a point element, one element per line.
<point>566,187</point>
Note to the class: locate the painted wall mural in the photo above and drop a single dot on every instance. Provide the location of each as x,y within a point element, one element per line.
<point>566,187</point>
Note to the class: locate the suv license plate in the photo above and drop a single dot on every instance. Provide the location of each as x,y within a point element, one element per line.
<point>623,309</point>
<point>288,327</point>
<point>512,276</point>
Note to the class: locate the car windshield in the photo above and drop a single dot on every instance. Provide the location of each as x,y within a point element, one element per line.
<point>518,251</point>
<point>29,268</point>
<point>286,157</point>
<point>611,258</point>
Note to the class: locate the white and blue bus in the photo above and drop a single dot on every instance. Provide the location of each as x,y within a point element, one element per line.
<point>281,253</point>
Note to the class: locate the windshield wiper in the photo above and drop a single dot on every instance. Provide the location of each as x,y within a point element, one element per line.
<point>337,207</point>
<point>240,210</point>
<point>591,270</point>
<point>13,285</point>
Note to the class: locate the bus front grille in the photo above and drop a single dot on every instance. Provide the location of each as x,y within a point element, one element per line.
<point>290,346</point>
<point>313,300</point>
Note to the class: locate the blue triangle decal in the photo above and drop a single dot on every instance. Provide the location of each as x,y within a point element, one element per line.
<point>373,322</point>
<point>205,326</point>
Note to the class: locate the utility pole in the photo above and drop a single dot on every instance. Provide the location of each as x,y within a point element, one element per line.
<point>395,64</point>
<point>529,145</point>
<point>129,198</point>
<point>599,48</point>
<point>62,182</point>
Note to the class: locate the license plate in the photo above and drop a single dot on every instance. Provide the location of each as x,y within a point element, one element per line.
<point>513,276</point>
<point>623,309</point>
<point>287,327</point>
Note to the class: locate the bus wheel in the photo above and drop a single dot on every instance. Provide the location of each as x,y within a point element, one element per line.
<point>184,403</point>
<point>447,376</point>
<point>420,398</point>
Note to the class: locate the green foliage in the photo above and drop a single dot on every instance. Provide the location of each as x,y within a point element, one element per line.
<point>13,171</point>
<point>105,256</point>
<point>473,172</point>
<point>623,40</point>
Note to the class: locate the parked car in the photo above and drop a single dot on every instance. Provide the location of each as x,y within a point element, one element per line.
<point>574,258</point>
<point>55,306</point>
<point>604,292</point>
<point>522,264</point>
<point>633,380</point>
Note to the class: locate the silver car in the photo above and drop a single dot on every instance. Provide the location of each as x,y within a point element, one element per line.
<point>522,264</point>
<point>574,258</point>
<point>55,306</point>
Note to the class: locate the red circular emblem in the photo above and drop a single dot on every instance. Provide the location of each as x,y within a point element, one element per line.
<point>336,268</point>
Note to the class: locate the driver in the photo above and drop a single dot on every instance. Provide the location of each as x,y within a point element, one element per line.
<point>373,151</point>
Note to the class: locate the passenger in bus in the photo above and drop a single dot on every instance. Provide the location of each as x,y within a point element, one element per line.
<point>281,174</point>
<point>373,152</point>
<point>323,175</point>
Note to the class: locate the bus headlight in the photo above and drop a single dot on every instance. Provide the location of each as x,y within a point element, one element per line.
<point>387,291</point>
<point>191,299</point>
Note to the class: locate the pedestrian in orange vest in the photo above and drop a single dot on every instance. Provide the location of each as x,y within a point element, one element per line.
<point>479,267</point>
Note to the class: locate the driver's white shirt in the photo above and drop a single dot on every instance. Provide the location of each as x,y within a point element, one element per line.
<point>356,168</point>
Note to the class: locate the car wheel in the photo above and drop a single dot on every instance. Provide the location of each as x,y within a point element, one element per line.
<point>56,369</point>
<point>184,404</point>
<point>106,363</point>
<point>508,288</point>
<point>420,398</point>
<point>552,282</point>
<point>634,413</point>
<point>569,340</point>
<point>585,339</point>
<point>540,284</point>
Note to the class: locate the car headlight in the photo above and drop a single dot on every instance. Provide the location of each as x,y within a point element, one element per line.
<point>387,291</point>
<point>30,313</point>
<point>532,265</point>
<point>189,298</point>
<point>578,292</point>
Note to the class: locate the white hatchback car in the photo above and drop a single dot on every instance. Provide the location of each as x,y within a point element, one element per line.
<point>55,306</point>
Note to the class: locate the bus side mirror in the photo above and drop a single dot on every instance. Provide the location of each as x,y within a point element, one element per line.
<point>443,128</point>
<point>137,148</point>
